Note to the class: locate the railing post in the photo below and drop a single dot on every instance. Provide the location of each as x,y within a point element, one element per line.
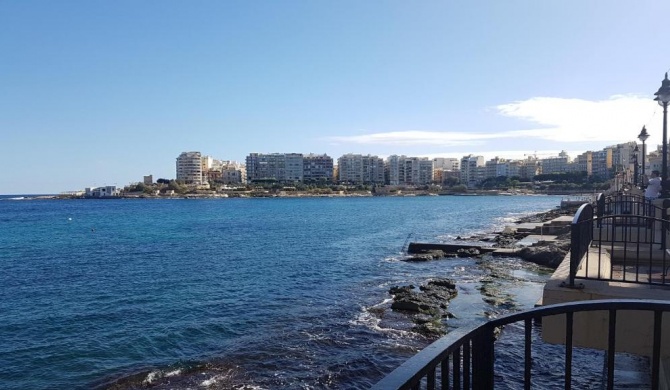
<point>482,359</point>
<point>575,252</point>
<point>664,224</point>
<point>581,235</point>
<point>600,207</point>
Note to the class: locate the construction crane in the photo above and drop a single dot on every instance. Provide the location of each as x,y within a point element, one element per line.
<point>535,154</point>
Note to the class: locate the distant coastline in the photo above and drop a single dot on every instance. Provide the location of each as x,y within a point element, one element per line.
<point>288,194</point>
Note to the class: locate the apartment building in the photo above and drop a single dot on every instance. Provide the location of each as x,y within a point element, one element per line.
<point>447,163</point>
<point>558,164</point>
<point>497,167</point>
<point>473,170</point>
<point>280,167</point>
<point>317,168</point>
<point>233,172</point>
<point>622,155</point>
<point>583,163</point>
<point>602,164</point>
<point>360,169</point>
<point>189,168</point>
<point>445,168</point>
<point>403,170</point>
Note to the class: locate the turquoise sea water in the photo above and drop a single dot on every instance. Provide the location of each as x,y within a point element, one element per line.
<point>268,293</point>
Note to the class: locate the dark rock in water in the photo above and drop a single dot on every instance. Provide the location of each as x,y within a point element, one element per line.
<point>430,329</point>
<point>428,256</point>
<point>442,282</point>
<point>548,215</point>
<point>507,240</point>
<point>401,290</point>
<point>427,307</point>
<point>469,252</point>
<point>548,254</point>
<point>413,305</point>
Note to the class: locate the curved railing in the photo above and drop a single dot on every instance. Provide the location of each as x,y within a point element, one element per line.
<point>624,203</point>
<point>464,359</point>
<point>581,235</point>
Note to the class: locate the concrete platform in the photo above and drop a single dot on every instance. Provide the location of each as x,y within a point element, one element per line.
<point>591,328</point>
<point>534,239</point>
<point>548,227</point>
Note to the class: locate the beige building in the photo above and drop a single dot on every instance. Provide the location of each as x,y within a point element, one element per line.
<point>403,170</point>
<point>190,168</point>
<point>360,169</point>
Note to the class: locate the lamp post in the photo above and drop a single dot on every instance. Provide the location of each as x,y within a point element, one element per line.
<point>643,137</point>
<point>663,97</point>
<point>635,152</point>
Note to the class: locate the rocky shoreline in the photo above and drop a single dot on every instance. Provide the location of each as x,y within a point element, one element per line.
<point>426,306</point>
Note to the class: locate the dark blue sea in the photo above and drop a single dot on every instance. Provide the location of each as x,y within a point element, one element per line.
<point>231,293</point>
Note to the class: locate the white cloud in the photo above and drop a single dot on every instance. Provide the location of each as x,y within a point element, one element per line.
<point>415,138</point>
<point>614,120</point>
<point>617,119</point>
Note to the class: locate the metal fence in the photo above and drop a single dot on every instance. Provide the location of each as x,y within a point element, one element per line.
<point>465,359</point>
<point>625,241</point>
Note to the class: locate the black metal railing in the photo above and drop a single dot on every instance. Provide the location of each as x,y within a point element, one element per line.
<point>624,203</point>
<point>581,235</point>
<point>600,205</point>
<point>625,242</point>
<point>464,359</point>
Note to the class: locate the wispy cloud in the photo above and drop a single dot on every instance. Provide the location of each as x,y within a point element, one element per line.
<point>616,119</point>
<point>576,120</point>
<point>418,138</point>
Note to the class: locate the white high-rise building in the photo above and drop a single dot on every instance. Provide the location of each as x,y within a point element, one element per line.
<point>472,170</point>
<point>281,167</point>
<point>189,168</point>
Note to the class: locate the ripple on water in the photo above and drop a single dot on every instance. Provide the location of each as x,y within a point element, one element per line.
<point>240,291</point>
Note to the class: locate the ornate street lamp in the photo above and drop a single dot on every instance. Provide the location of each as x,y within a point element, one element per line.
<point>635,152</point>
<point>643,137</point>
<point>663,97</point>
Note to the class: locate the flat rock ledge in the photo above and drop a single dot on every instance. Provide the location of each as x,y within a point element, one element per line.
<point>426,307</point>
<point>440,254</point>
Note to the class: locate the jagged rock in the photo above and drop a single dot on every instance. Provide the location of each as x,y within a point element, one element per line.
<point>428,307</point>
<point>469,252</point>
<point>400,290</point>
<point>430,329</point>
<point>546,253</point>
<point>427,256</point>
<point>443,282</point>
<point>408,304</point>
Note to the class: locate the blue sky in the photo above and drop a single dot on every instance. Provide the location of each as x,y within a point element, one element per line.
<point>104,92</point>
